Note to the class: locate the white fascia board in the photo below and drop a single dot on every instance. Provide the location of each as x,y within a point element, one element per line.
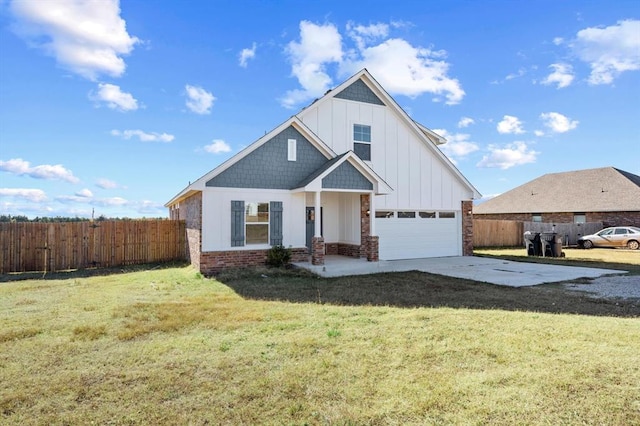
<point>313,138</point>
<point>433,136</point>
<point>380,186</point>
<point>185,193</point>
<point>419,130</point>
<point>294,121</point>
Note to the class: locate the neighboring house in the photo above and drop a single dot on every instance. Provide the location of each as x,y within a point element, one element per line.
<point>606,195</point>
<point>351,174</point>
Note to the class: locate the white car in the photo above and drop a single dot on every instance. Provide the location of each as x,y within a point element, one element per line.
<point>618,236</point>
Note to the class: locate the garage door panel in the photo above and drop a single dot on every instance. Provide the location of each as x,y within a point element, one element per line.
<point>402,238</point>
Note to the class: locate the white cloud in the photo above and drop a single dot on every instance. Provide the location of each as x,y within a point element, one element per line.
<point>510,124</point>
<point>538,133</point>
<point>107,202</point>
<point>466,122</point>
<point>558,41</point>
<point>557,122</point>
<point>87,37</point>
<point>144,136</point>
<point>35,195</point>
<point>403,69</point>
<point>18,166</point>
<point>609,51</point>
<point>458,145</point>
<point>319,45</point>
<point>246,54</point>
<point>199,100</point>
<point>106,184</point>
<point>514,154</point>
<point>114,97</point>
<point>521,72</point>
<point>217,146</point>
<point>562,75</point>
<point>85,193</point>
<point>363,35</point>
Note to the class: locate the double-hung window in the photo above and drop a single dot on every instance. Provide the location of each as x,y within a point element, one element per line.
<point>362,141</point>
<point>256,220</point>
<point>256,223</point>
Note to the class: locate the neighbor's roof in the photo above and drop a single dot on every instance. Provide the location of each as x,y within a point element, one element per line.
<point>593,190</point>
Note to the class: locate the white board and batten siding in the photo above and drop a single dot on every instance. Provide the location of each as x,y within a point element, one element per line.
<point>420,178</point>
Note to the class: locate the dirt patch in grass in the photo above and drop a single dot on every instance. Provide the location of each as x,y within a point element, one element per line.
<point>417,289</point>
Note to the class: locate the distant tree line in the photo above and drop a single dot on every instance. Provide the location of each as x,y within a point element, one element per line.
<point>20,218</point>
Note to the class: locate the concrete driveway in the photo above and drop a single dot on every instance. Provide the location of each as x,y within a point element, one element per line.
<point>484,269</point>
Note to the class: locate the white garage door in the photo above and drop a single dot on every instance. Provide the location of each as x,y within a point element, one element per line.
<point>425,234</point>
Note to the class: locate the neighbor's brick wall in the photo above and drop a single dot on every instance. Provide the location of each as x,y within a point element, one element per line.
<point>467,228</point>
<point>615,218</point>
<point>213,262</point>
<point>607,218</point>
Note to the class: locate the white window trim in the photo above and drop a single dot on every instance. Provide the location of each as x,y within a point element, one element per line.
<point>353,124</point>
<point>291,150</point>
<point>268,223</point>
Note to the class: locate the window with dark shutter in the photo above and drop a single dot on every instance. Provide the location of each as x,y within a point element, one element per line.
<point>275,220</point>
<point>237,223</point>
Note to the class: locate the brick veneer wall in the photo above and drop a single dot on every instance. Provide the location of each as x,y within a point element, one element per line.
<point>372,244</point>
<point>190,210</point>
<point>343,249</point>
<point>369,244</point>
<point>212,262</point>
<point>365,224</point>
<point>467,228</point>
<point>317,251</point>
<point>607,218</point>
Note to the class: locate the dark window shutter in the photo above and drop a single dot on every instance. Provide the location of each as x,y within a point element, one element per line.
<point>237,223</point>
<point>275,222</point>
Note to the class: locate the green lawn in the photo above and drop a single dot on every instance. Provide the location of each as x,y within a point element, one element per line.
<point>166,346</point>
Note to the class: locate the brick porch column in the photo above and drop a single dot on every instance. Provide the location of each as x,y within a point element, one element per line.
<point>368,242</point>
<point>372,245</point>
<point>317,251</point>
<point>365,225</point>
<point>467,228</point>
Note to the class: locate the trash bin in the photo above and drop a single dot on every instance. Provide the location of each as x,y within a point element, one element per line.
<point>551,244</point>
<point>533,243</point>
<point>547,239</point>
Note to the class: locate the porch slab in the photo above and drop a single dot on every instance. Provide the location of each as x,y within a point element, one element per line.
<point>483,269</point>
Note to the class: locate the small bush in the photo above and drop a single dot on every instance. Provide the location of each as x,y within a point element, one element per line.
<point>278,256</point>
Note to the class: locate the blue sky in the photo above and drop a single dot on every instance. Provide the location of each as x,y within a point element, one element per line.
<point>113,107</point>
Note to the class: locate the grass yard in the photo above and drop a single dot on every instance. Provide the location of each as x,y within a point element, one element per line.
<point>628,260</point>
<point>166,346</point>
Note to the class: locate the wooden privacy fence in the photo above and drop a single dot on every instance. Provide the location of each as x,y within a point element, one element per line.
<point>58,246</point>
<point>570,232</point>
<point>497,233</point>
<point>510,233</point>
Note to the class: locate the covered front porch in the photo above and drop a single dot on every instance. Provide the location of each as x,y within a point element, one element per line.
<point>340,202</point>
<point>338,223</point>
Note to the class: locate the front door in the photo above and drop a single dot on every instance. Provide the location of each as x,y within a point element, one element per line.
<point>311,224</point>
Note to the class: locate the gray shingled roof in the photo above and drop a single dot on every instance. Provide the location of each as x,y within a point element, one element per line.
<point>593,190</point>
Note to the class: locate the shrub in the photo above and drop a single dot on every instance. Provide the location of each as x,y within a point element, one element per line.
<point>278,256</point>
